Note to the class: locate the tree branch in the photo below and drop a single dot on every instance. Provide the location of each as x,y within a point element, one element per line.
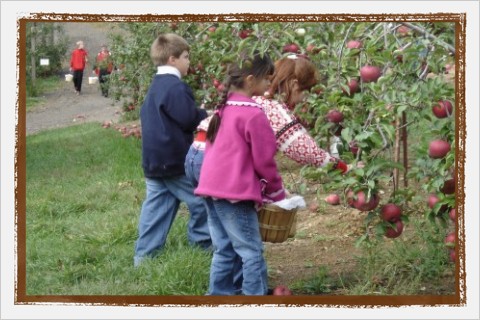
<point>429,36</point>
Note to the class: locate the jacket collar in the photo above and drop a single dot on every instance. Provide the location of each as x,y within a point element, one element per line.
<point>169,70</point>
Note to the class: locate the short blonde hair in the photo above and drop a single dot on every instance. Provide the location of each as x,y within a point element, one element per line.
<point>165,46</point>
<point>79,43</point>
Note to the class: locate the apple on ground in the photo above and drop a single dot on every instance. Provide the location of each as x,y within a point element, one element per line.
<point>396,231</point>
<point>442,109</point>
<point>333,199</point>
<point>438,149</point>
<point>390,212</point>
<point>370,73</point>
<point>282,290</point>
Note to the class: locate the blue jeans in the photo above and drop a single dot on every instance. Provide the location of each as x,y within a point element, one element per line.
<point>235,233</point>
<point>193,165</point>
<point>159,210</point>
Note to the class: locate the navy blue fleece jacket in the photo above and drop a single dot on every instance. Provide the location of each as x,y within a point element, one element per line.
<point>169,117</point>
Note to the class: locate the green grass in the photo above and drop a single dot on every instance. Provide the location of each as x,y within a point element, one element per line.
<point>42,86</point>
<point>84,191</point>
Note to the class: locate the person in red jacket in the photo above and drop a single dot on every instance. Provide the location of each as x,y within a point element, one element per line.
<point>77,65</point>
<point>103,68</point>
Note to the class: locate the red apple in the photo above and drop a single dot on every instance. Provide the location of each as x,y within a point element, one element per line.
<point>394,232</point>
<point>216,83</point>
<point>353,147</point>
<point>391,212</point>
<point>438,149</point>
<point>450,240</point>
<point>292,47</point>
<point>354,44</point>
<point>361,203</point>
<point>335,116</point>
<point>452,255</point>
<point>212,29</point>
<point>333,199</point>
<point>244,33</point>
<point>353,86</point>
<point>403,30</point>
<point>432,200</point>
<point>281,291</point>
<point>448,186</point>
<point>453,214</point>
<point>311,48</point>
<point>443,109</point>
<point>370,73</point>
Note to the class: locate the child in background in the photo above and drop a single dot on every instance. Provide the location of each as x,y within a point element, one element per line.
<point>238,174</point>
<point>103,68</point>
<point>78,61</point>
<point>169,117</point>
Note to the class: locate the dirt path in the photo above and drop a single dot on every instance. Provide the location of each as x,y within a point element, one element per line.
<point>63,107</point>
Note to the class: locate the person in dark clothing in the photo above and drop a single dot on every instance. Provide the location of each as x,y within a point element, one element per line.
<point>78,61</point>
<point>169,117</point>
<point>103,68</point>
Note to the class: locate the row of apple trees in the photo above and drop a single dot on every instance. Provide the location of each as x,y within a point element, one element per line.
<point>386,98</point>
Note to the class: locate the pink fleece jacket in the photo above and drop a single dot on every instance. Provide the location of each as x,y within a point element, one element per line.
<point>240,164</point>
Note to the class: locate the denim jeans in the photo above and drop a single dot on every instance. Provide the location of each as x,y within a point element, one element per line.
<point>159,210</point>
<point>193,165</point>
<point>235,233</point>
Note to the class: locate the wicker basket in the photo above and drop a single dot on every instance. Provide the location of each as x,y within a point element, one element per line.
<point>276,223</point>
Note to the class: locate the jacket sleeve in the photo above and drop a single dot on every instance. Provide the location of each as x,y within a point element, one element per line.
<point>181,107</point>
<point>263,148</point>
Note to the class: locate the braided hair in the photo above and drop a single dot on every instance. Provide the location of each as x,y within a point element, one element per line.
<point>259,66</point>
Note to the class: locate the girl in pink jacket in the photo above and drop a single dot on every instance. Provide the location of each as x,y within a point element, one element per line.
<point>239,172</point>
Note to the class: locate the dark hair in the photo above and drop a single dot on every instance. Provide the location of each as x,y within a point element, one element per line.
<point>259,66</point>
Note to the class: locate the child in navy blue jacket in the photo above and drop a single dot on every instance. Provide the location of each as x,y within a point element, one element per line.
<point>169,117</point>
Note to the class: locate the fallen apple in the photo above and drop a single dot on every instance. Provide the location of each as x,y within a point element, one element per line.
<point>333,199</point>
<point>282,291</point>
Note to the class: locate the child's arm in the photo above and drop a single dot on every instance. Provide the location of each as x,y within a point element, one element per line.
<point>181,107</point>
<point>263,148</point>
